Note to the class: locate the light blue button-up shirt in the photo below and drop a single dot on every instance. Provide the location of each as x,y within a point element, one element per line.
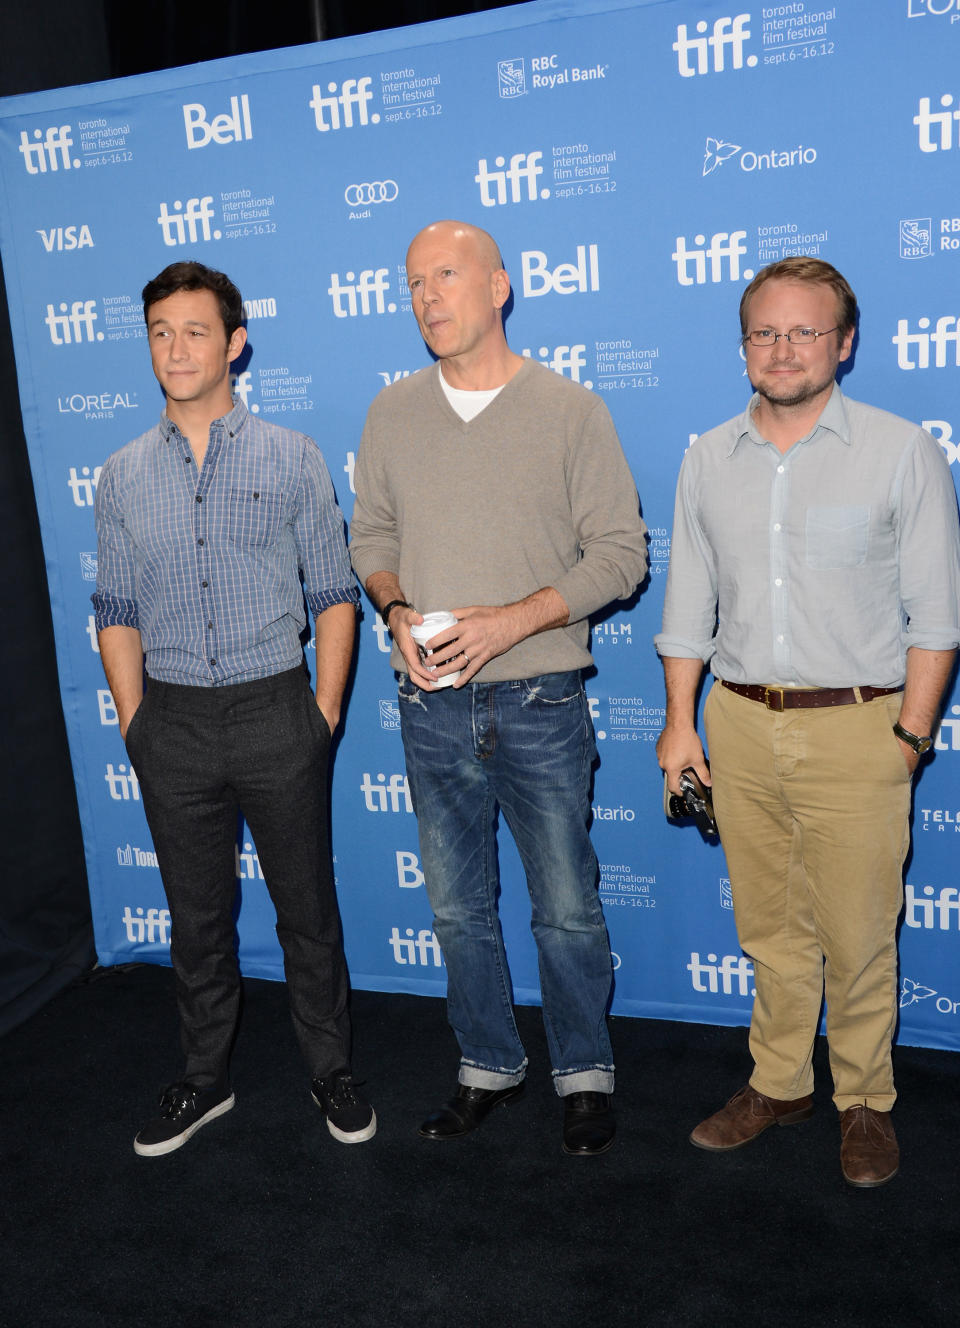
<point>208,565</point>
<point>820,567</point>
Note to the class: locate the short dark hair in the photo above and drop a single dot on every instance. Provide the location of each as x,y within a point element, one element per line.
<point>192,276</point>
<point>814,271</point>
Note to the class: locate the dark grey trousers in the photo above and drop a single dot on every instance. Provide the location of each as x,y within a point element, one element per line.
<point>202,756</point>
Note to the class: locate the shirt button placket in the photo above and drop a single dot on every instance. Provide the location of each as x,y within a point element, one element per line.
<point>778,570</point>
<point>199,526</point>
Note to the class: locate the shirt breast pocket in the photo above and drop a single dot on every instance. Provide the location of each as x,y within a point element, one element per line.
<point>837,537</point>
<point>254,518</point>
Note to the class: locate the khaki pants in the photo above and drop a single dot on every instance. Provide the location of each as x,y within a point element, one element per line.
<point>813,808</point>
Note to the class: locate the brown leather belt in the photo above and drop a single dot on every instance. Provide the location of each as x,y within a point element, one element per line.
<point>794,698</point>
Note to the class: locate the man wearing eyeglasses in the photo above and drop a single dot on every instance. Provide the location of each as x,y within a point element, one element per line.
<point>815,566</point>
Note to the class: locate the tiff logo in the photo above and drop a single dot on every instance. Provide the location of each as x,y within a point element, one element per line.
<point>335,111</point>
<point>247,863</point>
<point>566,278</point>
<point>152,928</point>
<point>91,630</point>
<point>190,224</point>
<point>407,950</point>
<point>73,325</point>
<point>357,293</point>
<point>524,167</point>
<point>567,361</point>
<point>83,486</point>
<point>927,120</point>
<point>349,467</point>
<point>946,333</point>
<point>384,640</point>
<point>949,728</point>
<point>944,903</point>
<point>122,784</point>
<point>49,151</point>
<point>231,127</point>
<point>241,385</point>
<point>724,252</point>
<point>382,796</point>
<point>727,32</point>
<point>719,977</point>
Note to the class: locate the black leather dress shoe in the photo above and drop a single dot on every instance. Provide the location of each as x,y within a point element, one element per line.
<point>588,1124</point>
<point>466,1111</point>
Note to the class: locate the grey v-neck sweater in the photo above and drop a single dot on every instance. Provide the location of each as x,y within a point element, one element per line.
<point>533,492</point>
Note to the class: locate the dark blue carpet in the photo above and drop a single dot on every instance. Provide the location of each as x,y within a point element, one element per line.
<point>263,1220</point>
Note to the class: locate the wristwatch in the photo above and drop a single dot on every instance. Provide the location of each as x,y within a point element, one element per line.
<point>920,745</point>
<point>394,604</point>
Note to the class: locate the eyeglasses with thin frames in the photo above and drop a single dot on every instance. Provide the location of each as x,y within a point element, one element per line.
<point>797,336</point>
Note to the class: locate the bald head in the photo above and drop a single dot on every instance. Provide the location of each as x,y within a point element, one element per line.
<point>458,288</point>
<point>471,240</point>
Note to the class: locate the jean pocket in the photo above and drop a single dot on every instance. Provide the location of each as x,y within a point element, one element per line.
<point>550,689</point>
<point>253,518</point>
<point>837,537</point>
<point>406,689</point>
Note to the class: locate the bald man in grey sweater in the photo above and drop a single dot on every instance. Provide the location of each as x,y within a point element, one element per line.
<point>493,488</point>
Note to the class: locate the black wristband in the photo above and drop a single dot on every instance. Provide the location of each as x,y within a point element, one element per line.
<point>394,604</point>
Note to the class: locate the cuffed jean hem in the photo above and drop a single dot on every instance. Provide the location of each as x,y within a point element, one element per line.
<point>593,1079</point>
<point>481,1076</point>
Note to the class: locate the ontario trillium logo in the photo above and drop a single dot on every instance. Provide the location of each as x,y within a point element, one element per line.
<point>717,153</point>
<point>913,992</point>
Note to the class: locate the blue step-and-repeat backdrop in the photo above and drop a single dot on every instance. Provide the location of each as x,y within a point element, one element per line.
<point>637,162</point>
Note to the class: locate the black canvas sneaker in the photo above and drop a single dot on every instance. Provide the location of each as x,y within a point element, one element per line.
<point>183,1110</point>
<point>349,1118</point>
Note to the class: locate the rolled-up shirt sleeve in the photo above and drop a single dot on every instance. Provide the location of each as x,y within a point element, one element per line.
<point>690,601</point>
<point>929,549</point>
<point>115,599</point>
<point>319,536</point>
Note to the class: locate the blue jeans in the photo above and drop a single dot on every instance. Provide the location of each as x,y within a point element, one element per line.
<point>527,747</point>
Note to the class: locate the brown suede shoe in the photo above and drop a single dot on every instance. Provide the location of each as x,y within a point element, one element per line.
<point>868,1146</point>
<point>747,1114</point>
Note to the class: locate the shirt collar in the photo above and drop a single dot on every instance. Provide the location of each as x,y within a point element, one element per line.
<point>832,417</point>
<point>232,422</point>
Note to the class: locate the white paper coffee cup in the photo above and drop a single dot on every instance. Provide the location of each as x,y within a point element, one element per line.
<point>426,631</point>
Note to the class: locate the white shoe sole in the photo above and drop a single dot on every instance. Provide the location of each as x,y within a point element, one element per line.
<point>350,1136</point>
<point>178,1140</point>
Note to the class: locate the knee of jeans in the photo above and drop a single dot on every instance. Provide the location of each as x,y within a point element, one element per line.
<point>570,917</point>
<point>457,915</point>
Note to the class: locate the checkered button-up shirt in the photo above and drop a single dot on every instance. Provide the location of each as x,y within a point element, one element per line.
<point>213,566</point>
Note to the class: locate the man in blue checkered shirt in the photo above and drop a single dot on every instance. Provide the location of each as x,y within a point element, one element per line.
<point>212,529</point>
